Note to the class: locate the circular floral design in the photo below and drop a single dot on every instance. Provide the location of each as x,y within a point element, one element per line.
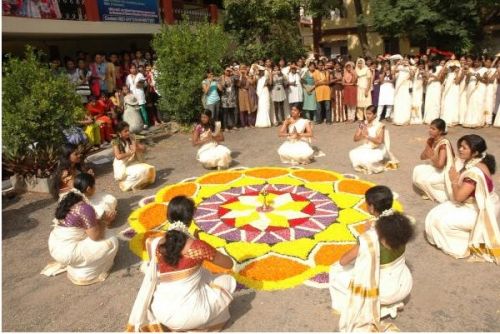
<point>297,212</point>
<point>315,218</point>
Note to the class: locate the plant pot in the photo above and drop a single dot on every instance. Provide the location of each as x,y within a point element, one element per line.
<point>18,183</point>
<point>38,185</point>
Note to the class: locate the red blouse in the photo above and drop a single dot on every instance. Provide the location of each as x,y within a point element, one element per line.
<point>198,252</point>
<point>489,183</point>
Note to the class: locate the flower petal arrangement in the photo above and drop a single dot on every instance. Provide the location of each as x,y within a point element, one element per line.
<point>282,226</point>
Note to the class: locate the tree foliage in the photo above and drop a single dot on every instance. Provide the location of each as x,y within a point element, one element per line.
<point>37,106</point>
<point>185,52</point>
<point>447,24</point>
<point>264,28</point>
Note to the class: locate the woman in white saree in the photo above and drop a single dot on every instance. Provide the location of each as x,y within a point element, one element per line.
<point>208,135</point>
<point>476,96</point>
<point>128,167</point>
<point>432,104</point>
<point>433,179</point>
<point>369,158</point>
<point>78,241</point>
<point>297,148</point>
<point>177,292</point>
<point>263,119</point>
<point>417,96</point>
<point>450,99</point>
<point>70,164</point>
<point>371,280</point>
<point>467,225</point>
<point>402,96</point>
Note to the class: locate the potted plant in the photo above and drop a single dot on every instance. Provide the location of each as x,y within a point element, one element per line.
<point>37,106</point>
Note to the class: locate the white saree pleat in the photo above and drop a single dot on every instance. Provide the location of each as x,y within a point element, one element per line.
<point>362,308</point>
<point>433,182</point>
<point>132,173</point>
<point>450,101</point>
<point>87,261</point>
<point>432,104</point>
<point>402,99</point>
<point>213,154</point>
<point>456,228</point>
<point>190,299</point>
<point>368,157</point>
<point>476,94</point>
<point>294,151</point>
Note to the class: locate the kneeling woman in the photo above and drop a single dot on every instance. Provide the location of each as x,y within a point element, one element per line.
<point>78,241</point>
<point>296,149</point>
<point>369,157</point>
<point>433,179</point>
<point>466,224</point>
<point>128,167</point>
<point>70,165</point>
<point>176,291</point>
<point>208,135</point>
<point>372,279</point>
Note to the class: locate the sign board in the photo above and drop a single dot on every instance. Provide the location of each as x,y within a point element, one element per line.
<point>145,11</point>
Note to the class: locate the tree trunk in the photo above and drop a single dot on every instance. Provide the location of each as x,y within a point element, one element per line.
<point>316,28</point>
<point>362,30</point>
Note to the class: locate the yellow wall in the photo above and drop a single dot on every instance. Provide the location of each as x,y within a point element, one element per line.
<point>375,41</point>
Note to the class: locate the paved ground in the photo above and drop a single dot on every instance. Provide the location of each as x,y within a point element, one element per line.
<point>448,294</point>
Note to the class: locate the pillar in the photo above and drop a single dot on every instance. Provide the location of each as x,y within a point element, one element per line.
<point>167,7</point>
<point>92,10</point>
<point>213,13</point>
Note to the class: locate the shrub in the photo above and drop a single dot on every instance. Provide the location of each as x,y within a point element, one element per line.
<point>185,52</point>
<point>37,107</point>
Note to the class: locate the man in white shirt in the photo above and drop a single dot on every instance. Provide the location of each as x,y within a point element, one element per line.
<point>295,92</point>
<point>135,82</point>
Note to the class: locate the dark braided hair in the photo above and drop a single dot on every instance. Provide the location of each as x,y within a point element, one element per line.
<point>180,208</point>
<point>82,182</point>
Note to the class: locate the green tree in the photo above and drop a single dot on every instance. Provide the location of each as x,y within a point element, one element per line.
<point>37,105</point>
<point>185,52</point>
<point>447,24</point>
<point>264,28</point>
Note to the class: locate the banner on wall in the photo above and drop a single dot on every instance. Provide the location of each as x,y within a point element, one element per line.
<point>145,11</point>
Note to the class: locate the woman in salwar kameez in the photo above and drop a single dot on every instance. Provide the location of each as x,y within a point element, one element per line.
<point>78,241</point>
<point>177,293</point>
<point>433,179</point>
<point>372,279</point>
<point>128,167</point>
<point>466,225</point>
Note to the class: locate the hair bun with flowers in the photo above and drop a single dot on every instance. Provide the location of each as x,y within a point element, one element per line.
<point>387,212</point>
<point>178,226</point>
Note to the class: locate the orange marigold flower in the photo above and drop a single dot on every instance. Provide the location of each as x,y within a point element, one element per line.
<point>187,189</point>
<point>315,175</point>
<point>354,186</point>
<point>267,173</point>
<point>329,254</point>
<point>219,177</point>
<point>273,268</point>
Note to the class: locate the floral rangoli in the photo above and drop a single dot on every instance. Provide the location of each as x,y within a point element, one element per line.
<point>311,217</point>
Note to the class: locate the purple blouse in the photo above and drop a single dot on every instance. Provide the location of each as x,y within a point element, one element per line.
<point>81,215</point>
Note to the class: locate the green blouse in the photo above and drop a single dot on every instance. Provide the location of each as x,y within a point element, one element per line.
<point>388,255</point>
